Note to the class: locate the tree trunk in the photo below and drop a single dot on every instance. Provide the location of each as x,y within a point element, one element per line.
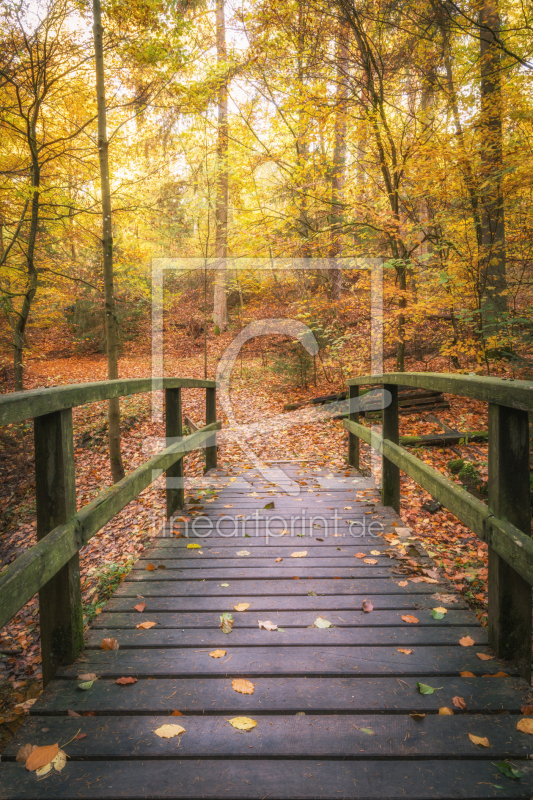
<point>113,416</point>
<point>339,163</point>
<point>493,267</point>
<point>220,304</point>
<point>302,142</point>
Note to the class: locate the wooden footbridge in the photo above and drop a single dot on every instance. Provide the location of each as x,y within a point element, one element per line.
<point>344,663</point>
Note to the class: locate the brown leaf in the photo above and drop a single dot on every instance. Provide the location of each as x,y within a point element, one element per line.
<point>484,657</point>
<point>459,702</point>
<point>176,714</point>
<point>367,606</point>
<point>150,567</point>
<point>403,583</point>
<point>140,607</point>
<point>217,653</point>
<point>89,714</point>
<point>125,681</point>
<point>404,651</point>
<point>241,606</point>
<point>242,686</point>
<point>41,756</point>
<point>24,752</point>
<point>525,725</point>
<point>146,625</point>
<point>417,717</point>
<point>370,561</point>
<point>279,559</point>
<point>87,676</point>
<point>466,641</point>
<point>360,555</point>
<point>480,740</point>
<point>161,566</point>
<point>71,713</point>
<point>80,736</point>
<point>496,675</point>
<point>445,711</point>
<point>410,619</point>
<point>467,674</point>
<point>267,625</point>
<point>526,710</point>
<point>109,644</point>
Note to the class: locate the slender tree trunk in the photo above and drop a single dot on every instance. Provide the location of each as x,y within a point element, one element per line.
<point>339,162</point>
<point>220,304</point>
<point>302,142</point>
<point>493,267</point>
<point>113,416</point>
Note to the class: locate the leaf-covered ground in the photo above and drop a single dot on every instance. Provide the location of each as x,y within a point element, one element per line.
<point>257,396</point>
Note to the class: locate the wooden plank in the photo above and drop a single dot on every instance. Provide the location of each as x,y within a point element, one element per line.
<point>355,737</point>
<point>353,441</point>
<point>509,609</point>
<point>407,636</point>
<point>353,695</point>
<point>60,608</point>
<point>285,619</point>
<point>280,602</point>
<point>34,568</point>
<point>275,779</point>
<point>211,417</point>
<point>390,473</point>
<point>274,572</point>
<point>175,493</point>
<point>18,406</point>
<point>225,556</point>
<point>214,564</point>
<point>325,660</point>
<point>242,588</point>
<point>513,546</point>
<point>511,393</point>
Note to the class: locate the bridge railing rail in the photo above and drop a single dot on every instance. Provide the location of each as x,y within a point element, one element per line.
<point>504,523</point>
<point>51,567</point>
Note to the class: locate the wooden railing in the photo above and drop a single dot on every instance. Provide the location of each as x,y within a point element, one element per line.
<point>51,567</point>
<point>504,523</point>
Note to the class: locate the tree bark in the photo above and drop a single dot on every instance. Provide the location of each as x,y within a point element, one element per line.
<point>220,303</point>
<point>339,162</point>
<point>113,415</point>
<point>493,256</point>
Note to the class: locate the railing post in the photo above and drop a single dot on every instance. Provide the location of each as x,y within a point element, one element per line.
<point>174,429</point>
<point>509,616</point>
<point>211,416</point>
<point>390,473</point>
<point>353,416</point>
<point>60,609</point>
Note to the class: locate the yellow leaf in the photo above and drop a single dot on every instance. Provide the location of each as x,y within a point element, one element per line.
<point>441,610</point>
<point>217,653</point>
<point>445,711</point>
<point>60,760</point>
<point>375,552</point>
<point>241,606</point>
<point>194,546</point>
<point>525,725</point>
<point>481,740</point>
<point>370,561</point>
<point>243,723</point>
<point>299,554</point>
<point>404,651</point>
<point>169,731</point>
<point>242,686</point>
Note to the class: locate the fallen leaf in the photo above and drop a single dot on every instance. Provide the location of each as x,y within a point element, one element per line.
<point>140,607</point>
<point>525,725</point>
<point>367,606</point>
<point>194,546</point>
<point>509,771</point>
<point>224,585</point>
<point>459,702</point>
<point>467,674</point>
<point>437,614</point>
<point>85,686</point>
<point>484,657</point>
<point>279,559</point>
<point>403,583</point>
<point>445,711</point>
<point>42,771</point>
<point>370,561</point>
<point>125,681</point>
<point>359,555</point>
<point>423,688</point>
<point>480,740</point>
<point>243,686</point>
<point>169,731</point>
<point>417,717</point>
<point>146,625</point>
<point>80,736</point>
<point>410,619</point>
<point>176,714</point>
<point>526,710</point>
<point>72,713</point>
<point>229,505</point>
<point>404,651</point>
<point>368,731</point>
<point>217,653</point>
<point>375,552</point>
<point>244,553</point>
<point>496,675</point>
<point>320,622</point>
<point>441,610</point>
<point>150,567</point>
<point>226,623</point>
<point>60,760</point>
<point>243,723</point>
<point>241,606</point>
<point>24,752</point>
<point>41,756</point>
<point>269,506</point>
<point>466,641</point>
<point>299,554</point>
<point>267,625</point>
<point>87,676</point>
<point>285,532</point>
<point>109,644</point>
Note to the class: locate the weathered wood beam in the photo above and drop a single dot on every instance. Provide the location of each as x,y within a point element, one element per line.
<point>210,418</point>
<point>444,439</point>
<point>18,406</point>
<point>34,568</point>
<point>390,473</point>
<point>175,493</point>
<point>505,538</point>
<point>353,441</point>
<point>511,393</point>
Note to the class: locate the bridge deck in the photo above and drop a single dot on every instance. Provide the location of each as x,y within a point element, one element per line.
<point>338,710</point>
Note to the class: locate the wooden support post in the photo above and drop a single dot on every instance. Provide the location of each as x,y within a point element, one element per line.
<point>211,416</point>
<point>390,473</point>
<point>173,430</point>
<point>60,609</point>
<point>509,618</point>
<point>353,440</point>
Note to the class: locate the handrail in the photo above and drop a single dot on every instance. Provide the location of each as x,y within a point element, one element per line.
<point>18,406</point>
<point>505,523</point>
<point>503,391</point>
<point>34,568</point>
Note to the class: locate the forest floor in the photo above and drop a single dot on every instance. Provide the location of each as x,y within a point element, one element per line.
<point>256,394</point>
